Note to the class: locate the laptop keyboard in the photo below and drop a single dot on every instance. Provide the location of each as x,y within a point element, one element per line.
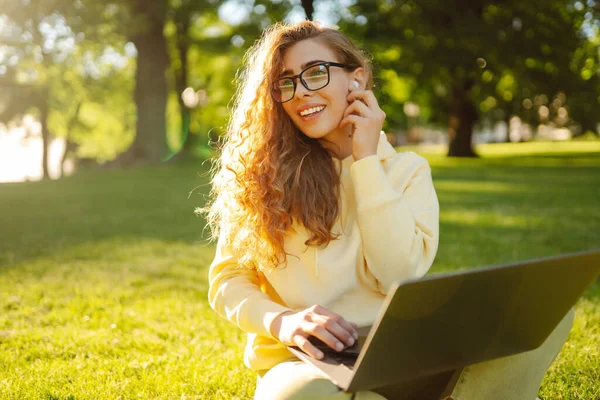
<point>346,357</point>
<point>340,358</point>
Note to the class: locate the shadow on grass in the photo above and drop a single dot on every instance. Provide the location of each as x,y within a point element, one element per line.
<point>489,213</point>
<point>42,218</point>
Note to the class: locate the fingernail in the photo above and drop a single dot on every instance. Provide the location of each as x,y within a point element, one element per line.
<point>339,346</point>
<point>319,354</point>
<point>355,335</point>
<point>350,342</point>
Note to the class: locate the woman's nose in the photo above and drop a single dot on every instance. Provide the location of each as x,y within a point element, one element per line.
<point>301,91</point>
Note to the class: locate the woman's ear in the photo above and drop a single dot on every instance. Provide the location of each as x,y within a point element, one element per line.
<point>359,76</point>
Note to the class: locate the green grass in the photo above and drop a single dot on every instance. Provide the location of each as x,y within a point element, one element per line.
<point>103,275</point>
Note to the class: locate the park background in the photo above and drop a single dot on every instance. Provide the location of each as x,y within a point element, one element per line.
<point>111,111</point>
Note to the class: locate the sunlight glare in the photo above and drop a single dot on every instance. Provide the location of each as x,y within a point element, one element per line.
<point>21,153</point>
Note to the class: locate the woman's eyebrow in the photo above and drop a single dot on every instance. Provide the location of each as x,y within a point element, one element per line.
<point>303,66</point>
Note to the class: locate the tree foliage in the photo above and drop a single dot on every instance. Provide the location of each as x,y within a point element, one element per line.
<point>52,67</point>
<point>464,60</point>
<point>109,76</point>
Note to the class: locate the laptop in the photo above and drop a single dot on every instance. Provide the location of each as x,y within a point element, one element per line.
<point>430,327</point>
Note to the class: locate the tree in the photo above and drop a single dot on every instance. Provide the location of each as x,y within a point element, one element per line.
<point>458,52</point>
<point>145,31</point>
<point>309,8</point>
<point>56,69</point>
<point>206,50</point>
<point>26,82</point>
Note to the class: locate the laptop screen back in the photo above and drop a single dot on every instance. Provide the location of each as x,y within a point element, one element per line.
<point>446,321</point>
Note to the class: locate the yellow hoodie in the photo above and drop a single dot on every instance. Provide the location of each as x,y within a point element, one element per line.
<point>389,226</point>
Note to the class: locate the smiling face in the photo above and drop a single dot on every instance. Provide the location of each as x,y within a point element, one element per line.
<point>326,106</point>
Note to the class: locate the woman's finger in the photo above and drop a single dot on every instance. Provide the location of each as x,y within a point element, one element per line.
<point>330,315</point>
<point>349,327</point>
<point>351,119</point>
<point>366,96</point>
<point>326,336</point>
<point>326,315</point>
<point>357,108</point>
<point>340,328</point>
<point>307,347</point>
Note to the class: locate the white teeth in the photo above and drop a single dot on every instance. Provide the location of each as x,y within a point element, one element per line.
<point>313,110</point>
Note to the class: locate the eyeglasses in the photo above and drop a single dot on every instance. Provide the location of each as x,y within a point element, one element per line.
<point>313,78</point>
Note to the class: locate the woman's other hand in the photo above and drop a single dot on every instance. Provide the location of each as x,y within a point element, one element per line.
<point>294,329</point>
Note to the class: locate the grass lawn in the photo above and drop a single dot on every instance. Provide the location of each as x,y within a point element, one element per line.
<point>103,274</point>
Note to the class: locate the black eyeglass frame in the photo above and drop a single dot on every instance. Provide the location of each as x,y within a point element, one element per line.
<point>299,76</point>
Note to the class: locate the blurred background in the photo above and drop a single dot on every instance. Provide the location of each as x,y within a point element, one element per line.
<point>87,82</point>
<point>110,111</point>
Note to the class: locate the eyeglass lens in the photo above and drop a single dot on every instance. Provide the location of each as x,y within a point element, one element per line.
<point>313,78</point>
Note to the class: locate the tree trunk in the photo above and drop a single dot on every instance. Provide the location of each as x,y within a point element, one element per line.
<point>70,146</point>
<point>181,77</point>
<point>309,8</point>
<point>151,92</point>
<point>507,121</point>
<point>43,107</point>
<point>463,115</point>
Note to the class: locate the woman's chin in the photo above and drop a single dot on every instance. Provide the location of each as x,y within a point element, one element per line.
<point>315,135</point>
<point>317,132</point>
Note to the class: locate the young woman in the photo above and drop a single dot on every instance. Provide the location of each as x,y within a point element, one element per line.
<point>316,214</point>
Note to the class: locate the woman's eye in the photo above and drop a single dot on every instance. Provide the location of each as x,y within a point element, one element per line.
<point>317,72</point>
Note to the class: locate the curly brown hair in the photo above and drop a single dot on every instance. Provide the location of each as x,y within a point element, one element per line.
<point>270,175</point>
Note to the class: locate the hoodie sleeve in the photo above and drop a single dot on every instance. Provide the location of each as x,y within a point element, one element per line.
<point>235,294</point>
<point>398,216</point>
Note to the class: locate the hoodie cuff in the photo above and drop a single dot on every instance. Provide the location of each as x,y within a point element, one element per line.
<point>270,316</point>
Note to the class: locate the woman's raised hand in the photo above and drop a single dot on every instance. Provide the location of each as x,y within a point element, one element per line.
<point>294,329</point>
<point>367,118</point>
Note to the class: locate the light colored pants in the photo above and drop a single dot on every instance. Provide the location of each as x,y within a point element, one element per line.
<point>516,377</point>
